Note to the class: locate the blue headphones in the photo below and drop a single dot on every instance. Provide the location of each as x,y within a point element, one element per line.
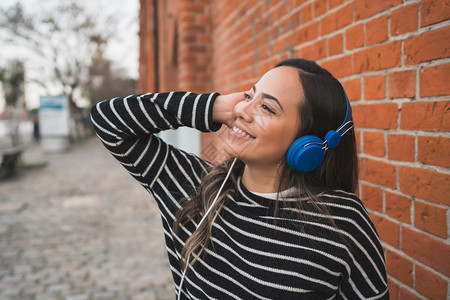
<point>307,152</point>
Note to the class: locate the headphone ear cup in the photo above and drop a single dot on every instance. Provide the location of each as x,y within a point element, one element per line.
<point>305,153</point>
<point>333,138</point>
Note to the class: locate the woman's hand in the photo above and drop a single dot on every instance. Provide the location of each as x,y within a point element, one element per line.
<point>223,109</point>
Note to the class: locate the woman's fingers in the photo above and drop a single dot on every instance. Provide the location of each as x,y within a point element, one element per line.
<point>223,111</point>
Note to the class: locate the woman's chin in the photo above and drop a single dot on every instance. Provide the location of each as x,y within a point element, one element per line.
<point>230,152</point>
<point>233,152</point>
<point>234,149</point>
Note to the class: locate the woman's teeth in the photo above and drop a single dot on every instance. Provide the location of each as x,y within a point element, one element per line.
<point>237,130</point>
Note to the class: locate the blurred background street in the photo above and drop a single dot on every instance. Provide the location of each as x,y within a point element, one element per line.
<point>79,228</point>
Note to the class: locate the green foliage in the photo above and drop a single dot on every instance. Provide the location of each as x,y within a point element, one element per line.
<point>32,165</point>
<point>13,80</point>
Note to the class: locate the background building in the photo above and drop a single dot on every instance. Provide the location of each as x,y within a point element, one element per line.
<point>392,57</point>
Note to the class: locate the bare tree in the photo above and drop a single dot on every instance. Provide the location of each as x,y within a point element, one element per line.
<point>64,38</point>
<point>106,81</point>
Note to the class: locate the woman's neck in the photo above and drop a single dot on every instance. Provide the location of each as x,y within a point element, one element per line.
<point>261,179</point>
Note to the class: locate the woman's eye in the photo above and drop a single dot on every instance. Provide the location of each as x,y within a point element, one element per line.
<point>265,107</point>
<point>247,96</point>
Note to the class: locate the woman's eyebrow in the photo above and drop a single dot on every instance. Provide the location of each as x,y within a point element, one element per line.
<point>268,96</point>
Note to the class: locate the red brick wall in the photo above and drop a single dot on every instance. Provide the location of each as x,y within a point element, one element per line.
<point>146,38</point>
<point>392,56</point>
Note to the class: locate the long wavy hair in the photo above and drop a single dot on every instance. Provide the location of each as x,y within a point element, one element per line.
<point>323,108</point>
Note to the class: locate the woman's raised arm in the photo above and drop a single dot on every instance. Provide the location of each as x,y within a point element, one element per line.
<point>126,126</point>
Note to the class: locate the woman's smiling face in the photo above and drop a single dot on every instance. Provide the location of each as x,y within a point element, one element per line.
<point>268,120</point>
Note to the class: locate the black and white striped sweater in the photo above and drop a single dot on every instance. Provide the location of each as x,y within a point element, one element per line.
<point>252,258</point>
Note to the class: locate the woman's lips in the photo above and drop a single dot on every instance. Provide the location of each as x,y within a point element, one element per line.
<point>238,132</point>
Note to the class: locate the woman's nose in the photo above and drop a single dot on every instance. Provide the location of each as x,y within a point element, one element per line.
<point>244,110</point>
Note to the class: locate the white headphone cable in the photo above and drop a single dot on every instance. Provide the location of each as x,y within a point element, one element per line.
<point>201,221</point>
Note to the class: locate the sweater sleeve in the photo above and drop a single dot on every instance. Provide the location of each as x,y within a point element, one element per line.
<point>126,126</point>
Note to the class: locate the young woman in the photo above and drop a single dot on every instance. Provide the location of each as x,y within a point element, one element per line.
<point>278,220</point>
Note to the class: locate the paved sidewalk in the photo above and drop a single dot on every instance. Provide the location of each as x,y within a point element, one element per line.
<point>80,228</point>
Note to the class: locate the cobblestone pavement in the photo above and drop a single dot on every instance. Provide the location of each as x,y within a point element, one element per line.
<point>80,228</point>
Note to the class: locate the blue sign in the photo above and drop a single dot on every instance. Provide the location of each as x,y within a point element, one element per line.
<point>54,116</point>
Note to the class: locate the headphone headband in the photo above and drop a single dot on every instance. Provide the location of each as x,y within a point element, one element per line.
<point>347,124</point>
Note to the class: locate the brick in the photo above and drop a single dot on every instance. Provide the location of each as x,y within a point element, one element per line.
<point>354,36</point>
<point>334,3</point>
<point>281,11</point>
<point>308,52</point>
<point>190,7</point>
<point>188,77</point>
<point>374,143</point>
<point>320,49</point>
<point>434,80</point>
<point>336,20</point>
<point>427,46</point>
<point>398,207</point>
<point>372,197</point>
<point>401,147</point>
<point>393,289</point>
<point>306,33</point>
<point>431,218</point>
<point>283,44</point>
<point>294,20</point>
<point>378,57</point>
<point>406,294</point>
<point>430,284</point>
<point>425,249</point>
<point>402,84</point>
<point>367,8</point>
<point>405,19</point>
<point>297,2</point>
<point>188,58</point>
<point>399,266</point>
<point>425,184</point>
<point>189,39</point>
<point>389,231</point>
<point>434,11</point>
<point>193,48</point>
<point>339,67</point>
<point>377,172</point>
<point>377,30</point>
<point>204,20</point>
<point>194,28</point>
<point>379,116</point>
<point>306,14</point>
<point>186,18</point>
<point>426,115</point>
<point>336,44</point>
<point>320,7</point>
<point>434,150</point>
<point>375,87</point>
<point>353,88</point>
